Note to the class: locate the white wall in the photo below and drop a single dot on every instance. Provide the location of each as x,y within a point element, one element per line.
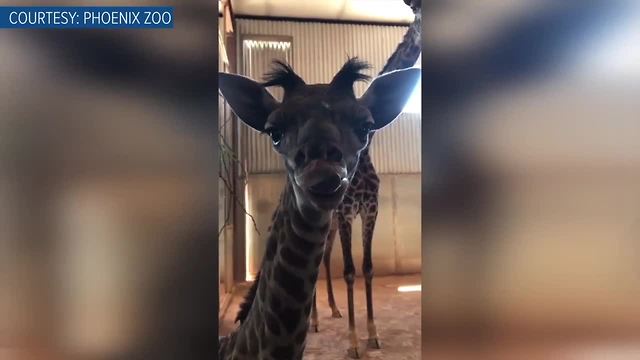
<point>396,243</point>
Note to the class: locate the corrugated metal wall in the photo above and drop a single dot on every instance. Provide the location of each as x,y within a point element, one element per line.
<point>319,50</point>
<point>257,56</point>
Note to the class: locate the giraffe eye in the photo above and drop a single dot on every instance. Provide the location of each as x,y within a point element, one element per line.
<point>276,135</point>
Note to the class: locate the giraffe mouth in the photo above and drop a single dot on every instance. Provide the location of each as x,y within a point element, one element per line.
<point>327,187</point>
<point>328,193</point>
<point>324,182</point>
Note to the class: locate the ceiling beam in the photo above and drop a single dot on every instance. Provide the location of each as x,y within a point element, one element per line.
<point>228,16</point>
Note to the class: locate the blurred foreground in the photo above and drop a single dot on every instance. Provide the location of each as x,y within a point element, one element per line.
<point>108,173</point>
<point>531,182</point>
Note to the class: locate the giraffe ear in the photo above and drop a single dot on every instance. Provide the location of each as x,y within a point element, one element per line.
<point>388,94</point>
<point>249,100</point>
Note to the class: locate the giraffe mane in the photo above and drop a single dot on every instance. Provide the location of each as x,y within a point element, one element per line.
<point>243,312</point>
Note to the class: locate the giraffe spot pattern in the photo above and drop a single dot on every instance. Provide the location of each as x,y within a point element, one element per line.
<point>292,258</point>
<point>253,346</point>
<point>293,285</point>
<point>282,352</point>
<point>272,248</point>
<point>275,303</point>
<point>297,222</point>
<point>289,318</point>
<point>262,290</point>
<point>303,245</point>
<point>273,325</point>
<point>262,334</point>
<point>241,347</point>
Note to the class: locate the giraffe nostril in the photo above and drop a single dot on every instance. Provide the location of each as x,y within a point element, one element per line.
<point>328,185</point>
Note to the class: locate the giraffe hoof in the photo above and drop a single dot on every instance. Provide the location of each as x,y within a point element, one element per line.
<point>335,313</point>
<point>374,343</point>
<point>354,353</point>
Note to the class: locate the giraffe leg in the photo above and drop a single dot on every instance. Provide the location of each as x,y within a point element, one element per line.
<point>368,225</point>
<point>314,314</point>
<point>349,277</point>
<point>327,265</point>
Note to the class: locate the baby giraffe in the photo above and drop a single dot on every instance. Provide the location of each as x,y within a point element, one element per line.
<point>319,130</point>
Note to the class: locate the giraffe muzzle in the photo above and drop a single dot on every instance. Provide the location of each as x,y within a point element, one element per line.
<point>328,186</point>
<point>324,181</point>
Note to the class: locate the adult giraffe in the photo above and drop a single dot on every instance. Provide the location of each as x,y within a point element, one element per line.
<point>361,199</point>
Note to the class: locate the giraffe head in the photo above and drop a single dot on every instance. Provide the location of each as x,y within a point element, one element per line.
<point>319,129</point>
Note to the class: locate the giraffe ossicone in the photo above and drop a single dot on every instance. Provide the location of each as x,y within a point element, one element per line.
<point>320,148</point>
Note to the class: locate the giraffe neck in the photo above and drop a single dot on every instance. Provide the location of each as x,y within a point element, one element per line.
<point>278,320</point>
<point>408,51</point>
<point>365,164</point>
<point>406,54</point>
<point>365,156</point>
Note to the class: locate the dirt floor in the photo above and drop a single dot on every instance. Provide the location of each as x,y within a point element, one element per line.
<point>397,318</point>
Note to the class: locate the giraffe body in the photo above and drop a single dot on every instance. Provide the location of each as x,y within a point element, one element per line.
<point>320,131</point>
